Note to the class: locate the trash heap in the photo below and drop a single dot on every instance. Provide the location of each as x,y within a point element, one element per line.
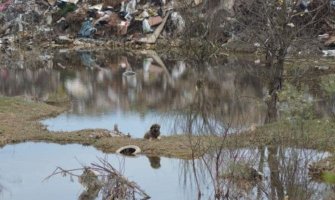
<point>62,21</point>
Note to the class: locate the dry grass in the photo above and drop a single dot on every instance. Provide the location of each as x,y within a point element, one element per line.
<point>19,122</point>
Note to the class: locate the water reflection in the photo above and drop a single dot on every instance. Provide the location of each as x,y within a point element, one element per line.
<point>155,161</point>
<point>232,91</point>
<point>23,168</point>
<point>283,171</point>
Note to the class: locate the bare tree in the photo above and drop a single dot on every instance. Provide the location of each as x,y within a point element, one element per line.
<point>276,24</point>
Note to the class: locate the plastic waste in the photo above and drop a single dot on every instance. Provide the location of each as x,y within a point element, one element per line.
<point>87,29</point>
<point>146,26</point>
<point>178,23</point>
<point>4,5</point>
<point>131,7</point>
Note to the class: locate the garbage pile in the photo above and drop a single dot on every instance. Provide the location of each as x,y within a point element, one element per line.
<point>63,20</point>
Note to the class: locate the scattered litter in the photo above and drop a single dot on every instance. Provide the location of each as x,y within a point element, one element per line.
<point>4,5</point>
<point>64,40</point>
<point>87,29</point>
<point>146,26</point>
<point>291,25</point>
<point>322,67</point>
<point>328,52</point>
<point>330,41</point>
<point>129,150</point>
<point>323,36</point>
<point>177,23</point>
<point>154,21</point>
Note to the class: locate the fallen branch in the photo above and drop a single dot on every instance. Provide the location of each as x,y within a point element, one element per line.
<point>113,183</point>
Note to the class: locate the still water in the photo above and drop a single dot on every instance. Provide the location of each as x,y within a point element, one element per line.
<point>137,90</point>
<point>23,168</point>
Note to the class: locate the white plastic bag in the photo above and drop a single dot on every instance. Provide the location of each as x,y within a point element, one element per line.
<point>146,26</point>
<point>131,7</point>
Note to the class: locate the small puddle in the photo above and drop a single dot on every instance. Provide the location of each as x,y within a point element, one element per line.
<point>24,166</point>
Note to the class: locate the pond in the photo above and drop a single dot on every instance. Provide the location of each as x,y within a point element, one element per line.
<point>102,91</point>
<point>24,167</point>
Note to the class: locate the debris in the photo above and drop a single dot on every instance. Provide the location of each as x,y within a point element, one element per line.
<point>328,52</point>
<point>96,7</point>
<point>129,150</point>
<point>176,24</point>
<point>332,3</point>
<point>256,44</point>
<point>154,21</point>
<point>4,5</point>
<point>291,25</point>
<point>87,29</point>
<point>323,36</point>
<point>71,1</point>
<point>63,39</point>
<point>146,26</point>
<point>131,7</point>
<point>197,2</point>
<point>129,77</point>
<point>151,39</point>
<point>50,20</point>
<point>322,67</point>
<point>330,41</point>
<point>122,28</point>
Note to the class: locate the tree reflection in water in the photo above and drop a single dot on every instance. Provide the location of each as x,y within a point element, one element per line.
<point>273,172</point>
<point>102,178</point>
<point>216,100</point>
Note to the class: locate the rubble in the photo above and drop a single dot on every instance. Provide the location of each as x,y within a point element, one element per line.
<point>63,21</point>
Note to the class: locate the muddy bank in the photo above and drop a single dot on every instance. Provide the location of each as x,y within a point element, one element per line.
<point>26,115</point>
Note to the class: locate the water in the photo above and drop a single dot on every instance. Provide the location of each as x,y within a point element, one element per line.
<point>24,166</point>
<point>171,94</point>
